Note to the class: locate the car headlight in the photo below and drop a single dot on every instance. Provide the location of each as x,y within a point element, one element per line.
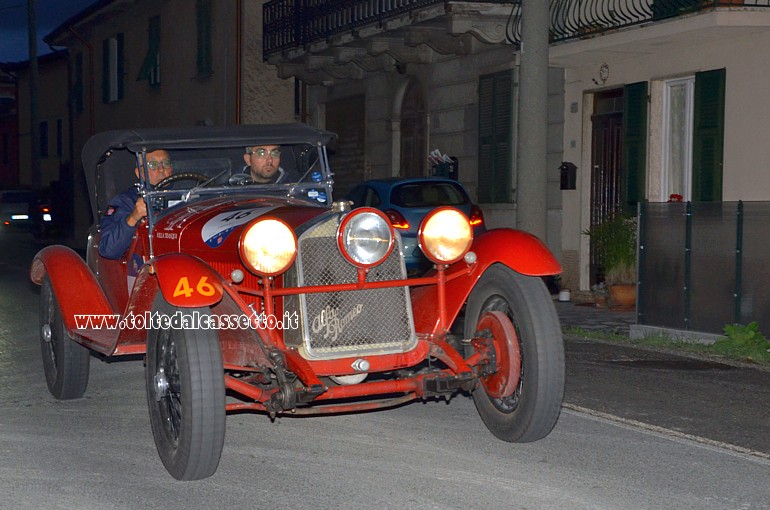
<point>445,235</point>
<point>365,237</point>
<point>268,246</point>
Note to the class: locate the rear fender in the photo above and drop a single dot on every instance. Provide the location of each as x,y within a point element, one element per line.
<point>76,289</point>
<point>518,250</point>
<point>187,281</point>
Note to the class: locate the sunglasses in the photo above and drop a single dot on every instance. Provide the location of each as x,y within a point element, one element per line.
<point>263,153</point>
<point>155,165</point>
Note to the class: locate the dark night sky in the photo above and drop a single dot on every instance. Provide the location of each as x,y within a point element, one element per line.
<point>14,43</point>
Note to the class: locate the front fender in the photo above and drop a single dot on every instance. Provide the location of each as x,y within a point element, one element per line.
<point>520,251</point>
<point>187,281</point>
<point>73,283</point>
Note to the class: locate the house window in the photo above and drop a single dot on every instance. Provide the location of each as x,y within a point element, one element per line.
<point>677,137</point>
<point>113,66</point>
<point>43,130</point>
<point>150,69</point>
<point>59,138</point>
<point>203,23</point>
<point>495,183</point>
<point>692,134</point>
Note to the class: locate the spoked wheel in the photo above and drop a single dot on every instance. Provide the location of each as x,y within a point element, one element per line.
<point>186,395</point>
<point>66,363</point>
<point>521,401</point>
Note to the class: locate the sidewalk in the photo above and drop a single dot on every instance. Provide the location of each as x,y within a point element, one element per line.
<point>588,317</point>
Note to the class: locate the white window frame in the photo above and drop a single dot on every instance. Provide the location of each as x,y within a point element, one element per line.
<point>668,85</point>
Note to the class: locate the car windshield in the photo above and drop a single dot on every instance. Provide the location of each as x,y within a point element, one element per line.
<point>428,194</point>
<point>183,176</point>
<point>15,197</point>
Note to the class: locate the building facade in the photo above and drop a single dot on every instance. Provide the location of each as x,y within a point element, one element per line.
<point>649,100</point>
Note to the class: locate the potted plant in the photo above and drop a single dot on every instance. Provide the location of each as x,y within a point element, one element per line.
<point>614,243</point>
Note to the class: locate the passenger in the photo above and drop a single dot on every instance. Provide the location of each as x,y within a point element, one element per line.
<point>126,210</point>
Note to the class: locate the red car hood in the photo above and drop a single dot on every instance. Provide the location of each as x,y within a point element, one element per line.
<point>211,228</point>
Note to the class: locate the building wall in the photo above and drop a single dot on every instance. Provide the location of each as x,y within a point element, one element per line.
<point>241,88</point>
<point>746,151</point>
<point>52,109</point>
<point>450,92</point>
<point>265,98</point>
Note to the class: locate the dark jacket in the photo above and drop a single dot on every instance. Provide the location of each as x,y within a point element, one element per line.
<point>116,233</point>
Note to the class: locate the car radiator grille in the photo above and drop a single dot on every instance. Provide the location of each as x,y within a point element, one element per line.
<point>342,324</point>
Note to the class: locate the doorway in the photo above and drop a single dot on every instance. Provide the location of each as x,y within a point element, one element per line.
<point>606,162</point>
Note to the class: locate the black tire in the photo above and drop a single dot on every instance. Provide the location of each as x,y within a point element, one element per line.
<point>530,412</point>
<point>186,395</point>
<point>66,363</point>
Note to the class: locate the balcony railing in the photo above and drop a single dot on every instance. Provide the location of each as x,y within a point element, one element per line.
<point>296,24</point>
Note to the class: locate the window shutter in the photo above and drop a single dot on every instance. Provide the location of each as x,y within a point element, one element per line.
<point>106,70</point>
<point>149,69</point>
<point>708,135</point>
<point>203,24</point>
<point>634,150</point>
<point>121,66</point>
<point>495,125</point>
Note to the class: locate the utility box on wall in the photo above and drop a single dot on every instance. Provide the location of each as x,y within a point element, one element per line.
<point>568,172</point>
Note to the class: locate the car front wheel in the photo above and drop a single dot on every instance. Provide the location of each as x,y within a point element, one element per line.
<point>66,363</point>
<point>521,401</point>
<point>186,395</point>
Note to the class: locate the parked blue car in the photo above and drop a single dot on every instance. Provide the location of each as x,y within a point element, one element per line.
<point>406,201</point>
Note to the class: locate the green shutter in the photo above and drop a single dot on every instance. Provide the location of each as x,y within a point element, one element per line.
<point>106,71</point>
<point>634,149</point>
<point>708,135</point>
<point>495,125</point>
<point>150,62</point>
<point>121,66</point>
<point>203,24</point>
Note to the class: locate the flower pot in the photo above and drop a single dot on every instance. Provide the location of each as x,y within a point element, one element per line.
<point>622,296</point>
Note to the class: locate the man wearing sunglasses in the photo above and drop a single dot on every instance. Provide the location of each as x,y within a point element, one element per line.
<point>263,164</point>
<point>126,210</point>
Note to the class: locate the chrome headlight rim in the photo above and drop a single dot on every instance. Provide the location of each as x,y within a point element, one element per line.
<point>341,236</point>
<point>427,245</point>
<point>243,245</point>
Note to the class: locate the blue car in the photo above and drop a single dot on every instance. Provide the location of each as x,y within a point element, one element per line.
<point>406,201</point>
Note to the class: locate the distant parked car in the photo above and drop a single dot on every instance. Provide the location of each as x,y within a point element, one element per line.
<point>16,208</point>
<point>406,201</point>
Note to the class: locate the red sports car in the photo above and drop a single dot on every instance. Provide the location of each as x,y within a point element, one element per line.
<point>293,302</point>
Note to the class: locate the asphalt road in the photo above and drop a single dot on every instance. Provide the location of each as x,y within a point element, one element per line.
<point>639,430</point>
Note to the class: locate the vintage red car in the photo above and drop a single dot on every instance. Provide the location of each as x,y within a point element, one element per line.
<point>290,302</point>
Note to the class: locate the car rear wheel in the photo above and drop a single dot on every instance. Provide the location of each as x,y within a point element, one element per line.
<point>522,400</point>
<point>186,395</point>
<point>66,363</point>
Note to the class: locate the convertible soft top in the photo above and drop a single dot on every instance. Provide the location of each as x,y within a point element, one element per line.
<point>121,145</point>
<point>135,140</point>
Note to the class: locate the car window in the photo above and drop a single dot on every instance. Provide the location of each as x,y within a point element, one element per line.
<point>428,194</point>
<point>372,198</point>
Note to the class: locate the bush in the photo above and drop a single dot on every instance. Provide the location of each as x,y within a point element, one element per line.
<point>744,341</point>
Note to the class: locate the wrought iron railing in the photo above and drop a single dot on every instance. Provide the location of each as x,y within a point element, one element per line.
<point>290,24</point>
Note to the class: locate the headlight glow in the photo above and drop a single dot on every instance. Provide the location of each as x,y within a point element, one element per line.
<point>365,237</point>
<point>268,247</point>
<point>445,235</point>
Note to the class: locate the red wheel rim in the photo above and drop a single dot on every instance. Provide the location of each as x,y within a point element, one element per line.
<point>507,355</point>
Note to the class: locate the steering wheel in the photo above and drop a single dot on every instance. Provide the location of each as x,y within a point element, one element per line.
<point>183,176</point>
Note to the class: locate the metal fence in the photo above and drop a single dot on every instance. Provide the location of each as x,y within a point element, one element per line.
<point>704,265</point>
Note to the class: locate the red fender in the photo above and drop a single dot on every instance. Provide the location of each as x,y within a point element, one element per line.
<point>73,283</point>
<point>522,252</point>
<point>187,281</point>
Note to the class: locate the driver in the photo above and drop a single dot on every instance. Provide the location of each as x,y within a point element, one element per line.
<point>127,209</point>
<point>263,164</point>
